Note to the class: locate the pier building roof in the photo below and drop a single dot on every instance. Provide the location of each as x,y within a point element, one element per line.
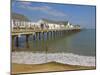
<point>54,22</point>
<point>19,17</point>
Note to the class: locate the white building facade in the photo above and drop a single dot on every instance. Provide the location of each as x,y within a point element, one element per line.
<point>41,24</point>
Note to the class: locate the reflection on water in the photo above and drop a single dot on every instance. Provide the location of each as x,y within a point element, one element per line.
<point>82,43</point>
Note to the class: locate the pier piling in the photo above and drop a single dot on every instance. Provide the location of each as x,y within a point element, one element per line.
<point>17,41</point>
<point>27,40</point>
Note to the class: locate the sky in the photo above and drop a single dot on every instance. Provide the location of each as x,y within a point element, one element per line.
<point>83,15</point>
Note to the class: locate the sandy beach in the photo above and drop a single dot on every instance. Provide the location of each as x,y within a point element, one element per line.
<point>47,67</point>
<point>28,62</point>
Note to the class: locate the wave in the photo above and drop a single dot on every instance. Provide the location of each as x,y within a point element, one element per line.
<point>39,58</point>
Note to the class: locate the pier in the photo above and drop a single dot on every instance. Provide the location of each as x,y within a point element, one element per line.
<point>41,28</point>
<point>50,33</point>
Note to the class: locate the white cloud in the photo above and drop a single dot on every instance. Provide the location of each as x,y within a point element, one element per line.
<point>45,9</point>
<point>25,3</point>
<point>54,12</point>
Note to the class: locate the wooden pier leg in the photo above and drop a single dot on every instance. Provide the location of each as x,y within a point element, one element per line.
<point>39,35</point>
<point>64,32</point>
<point>57,33</point>
<point>47,35</point>
<point>34,35</point>
<point>54,35</point>
<point>43,36</point>
<point>50,34</point>
<point>61,33</point>
<point>12,42</point>
<point>27,40</point>
<point>17,41</point>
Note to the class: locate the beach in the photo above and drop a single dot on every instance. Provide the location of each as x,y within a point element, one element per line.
<point>25,57</point>
<point>28,62</point>
<point>46,67</point>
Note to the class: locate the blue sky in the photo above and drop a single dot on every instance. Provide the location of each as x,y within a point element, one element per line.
<point>76,14</point>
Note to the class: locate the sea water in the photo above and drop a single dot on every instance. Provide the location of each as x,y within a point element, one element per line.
<point>77,49</point>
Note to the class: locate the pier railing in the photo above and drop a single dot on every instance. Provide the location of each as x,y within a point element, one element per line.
<point>16,31</point>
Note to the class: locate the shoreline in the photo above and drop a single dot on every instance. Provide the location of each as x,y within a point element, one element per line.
<point>28,62</point>
<point>47,67</point>
<point>40,58</point>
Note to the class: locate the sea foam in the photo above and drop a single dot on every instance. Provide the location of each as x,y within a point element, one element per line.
<point>39,58</point>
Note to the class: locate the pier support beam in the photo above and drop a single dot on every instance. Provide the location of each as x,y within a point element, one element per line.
<point>27,40</point>
<point>51,34</point>
<point>47,35</point>
<point>43,36</point>
<point>39,35</point>
<point>12,42</point>
<point>57,33</point>
<point>17,41</point>
<point>60,33</point>
<point>36,36</point>
<point>63,33</point>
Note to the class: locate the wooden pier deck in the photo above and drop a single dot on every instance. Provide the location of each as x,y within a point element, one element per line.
<point>32,31</point>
